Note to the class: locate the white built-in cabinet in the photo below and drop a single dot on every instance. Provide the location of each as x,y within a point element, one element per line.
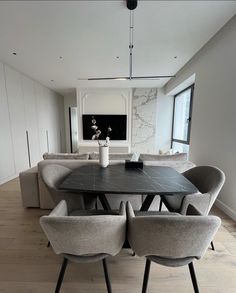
<point>43,118</point>
<point>17,118</point>
<point>28,86</point>
<point>50,120</point>
<point>31,122</point>
<point>7,167</point>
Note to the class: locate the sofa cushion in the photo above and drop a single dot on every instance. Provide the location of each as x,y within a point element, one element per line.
<point>179,166</point>
<point>115,156</point>
<point>65,156</point>
<point>174,157</point>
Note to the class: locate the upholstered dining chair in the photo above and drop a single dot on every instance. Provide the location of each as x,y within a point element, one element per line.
<point>170,240</point>
<point>52,176</point>
<point>208,180</point>
<point>85,236</point>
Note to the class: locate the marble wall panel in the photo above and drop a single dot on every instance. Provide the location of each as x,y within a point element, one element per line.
<point>144,120</point>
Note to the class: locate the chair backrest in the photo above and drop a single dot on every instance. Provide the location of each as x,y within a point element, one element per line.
<point>170,236</point>
<point>52,176</point>
<point>85,235</point>
<point>207,179</point>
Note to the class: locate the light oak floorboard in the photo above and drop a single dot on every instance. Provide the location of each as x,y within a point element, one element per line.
<point>28,266</point>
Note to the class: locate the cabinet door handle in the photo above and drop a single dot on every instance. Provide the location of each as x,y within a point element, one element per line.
<point>28,147</point>
<point>47,140</point>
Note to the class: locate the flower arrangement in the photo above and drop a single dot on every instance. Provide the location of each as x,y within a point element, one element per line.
<point>98,132</point>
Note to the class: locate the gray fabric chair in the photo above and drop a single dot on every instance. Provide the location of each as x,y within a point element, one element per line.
<point>52,176</point>
<point>170,240</point>
<point>86,236</point>
<point>208,180</point>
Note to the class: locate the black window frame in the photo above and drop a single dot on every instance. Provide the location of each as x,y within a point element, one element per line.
<point>187,142</point>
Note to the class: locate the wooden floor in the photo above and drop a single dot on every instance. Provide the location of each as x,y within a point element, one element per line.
<point>28,266</point>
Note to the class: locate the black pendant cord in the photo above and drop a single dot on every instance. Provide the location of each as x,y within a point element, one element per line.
<point>131,5</point>
<point>131,44</point>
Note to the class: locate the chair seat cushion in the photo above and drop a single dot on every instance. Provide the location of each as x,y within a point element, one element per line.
<point>85,258</point>
<point>93,213</point>
<point>173,202</point>
<point>170,262</point>
<point>154,213</point>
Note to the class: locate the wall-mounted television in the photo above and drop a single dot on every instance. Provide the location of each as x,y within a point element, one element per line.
<point>118,124</point>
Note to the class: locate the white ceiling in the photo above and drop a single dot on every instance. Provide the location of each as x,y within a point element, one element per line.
<point>90,34</point>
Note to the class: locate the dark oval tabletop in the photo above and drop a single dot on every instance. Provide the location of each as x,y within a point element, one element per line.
<point>119,180</point>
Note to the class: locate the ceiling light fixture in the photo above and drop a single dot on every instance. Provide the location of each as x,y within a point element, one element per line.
<point>131,5</point>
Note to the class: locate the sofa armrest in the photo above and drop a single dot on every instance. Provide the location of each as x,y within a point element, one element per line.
<point>29,187</point>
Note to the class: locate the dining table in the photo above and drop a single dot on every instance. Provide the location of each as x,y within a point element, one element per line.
<point>117,179</point>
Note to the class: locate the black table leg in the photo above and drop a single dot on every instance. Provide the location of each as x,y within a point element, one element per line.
<point>161,202</point>
<point>105,204</point>
<point>147,202</point>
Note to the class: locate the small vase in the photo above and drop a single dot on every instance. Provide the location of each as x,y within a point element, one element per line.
<point>103,156</point>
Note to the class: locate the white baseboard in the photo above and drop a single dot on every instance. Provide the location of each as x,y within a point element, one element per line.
<point>5,180</point>
<point>226,209</point>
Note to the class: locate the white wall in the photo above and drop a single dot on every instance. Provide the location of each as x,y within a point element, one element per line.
<point>104,101</point>
<point>70,100</point>
<point>213,135</point>
<point>164,113</point>
<point>27,107</point>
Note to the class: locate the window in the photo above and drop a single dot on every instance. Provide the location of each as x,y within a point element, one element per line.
<point>181,124</point>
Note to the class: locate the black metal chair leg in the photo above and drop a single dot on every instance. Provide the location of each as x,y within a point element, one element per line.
<point>212,245</point>
<point>146,275</point>
<point>108,283</point>
<point>193,277</point>
<point>49,244</point>
<point>160,206</point>
<point>61,275</point>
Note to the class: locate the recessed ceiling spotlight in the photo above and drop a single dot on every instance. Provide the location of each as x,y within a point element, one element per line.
<point>14,53</point>
<point>60,57</point>
<point>52,80</point>
<point>175,57</point>
<point>117,57</point>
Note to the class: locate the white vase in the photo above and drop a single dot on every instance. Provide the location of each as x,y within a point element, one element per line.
<point>103,156</point>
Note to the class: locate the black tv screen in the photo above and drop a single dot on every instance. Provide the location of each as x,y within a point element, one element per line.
<point>118,124</point>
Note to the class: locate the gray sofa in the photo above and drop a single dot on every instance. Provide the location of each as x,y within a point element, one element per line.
<point>35,193</point>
